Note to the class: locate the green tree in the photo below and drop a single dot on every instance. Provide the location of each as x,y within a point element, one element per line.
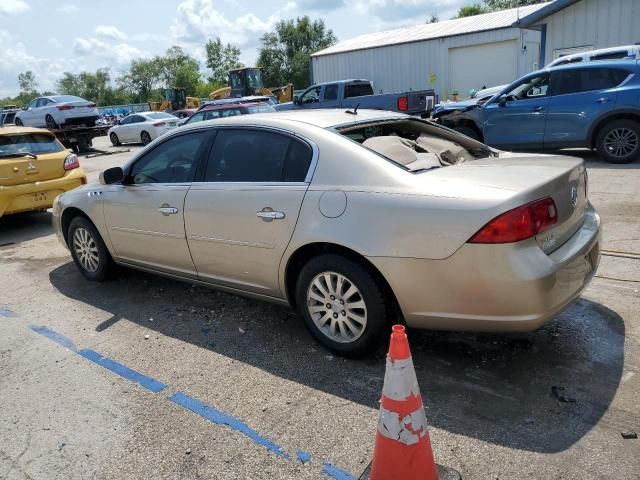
<point>27,82</point>
<point>433,18</point>
<point>69,84</point>
<point>504,4</point>
<point>143,77</point>
<point>177,69</point>
<point>220,59</point>
<point>472,10</point>
<point>285,53</point>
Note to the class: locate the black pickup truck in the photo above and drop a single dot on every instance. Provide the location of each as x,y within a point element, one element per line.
<point>359,93</point>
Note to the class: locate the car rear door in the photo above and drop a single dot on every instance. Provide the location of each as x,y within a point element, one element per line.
<point>330,95</point>
<point>240,218</point>
<point>145,214</point>
<point>520,121</point>
<point>579,96</point>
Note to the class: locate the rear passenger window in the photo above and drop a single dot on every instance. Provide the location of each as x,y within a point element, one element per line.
<point>586,80</point>
<point>331,92</point>
<point>257,156</point>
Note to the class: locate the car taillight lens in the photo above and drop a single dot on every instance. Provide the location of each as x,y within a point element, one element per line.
<point>65,107</point>
<point>159,124</point>
<point>519,224</point>
<point>403,104</point>
<point>71,162</point>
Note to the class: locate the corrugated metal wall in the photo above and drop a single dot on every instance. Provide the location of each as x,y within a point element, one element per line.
<point>595,23</point>
<point>409,66</point>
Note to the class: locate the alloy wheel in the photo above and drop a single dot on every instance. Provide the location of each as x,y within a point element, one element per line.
<point>621,142</point>
<point>337,307</point>
<point>86,249</point>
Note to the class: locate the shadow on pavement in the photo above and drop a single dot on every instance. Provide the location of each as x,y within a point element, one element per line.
<point>23,227</point>
<point>539,392</point>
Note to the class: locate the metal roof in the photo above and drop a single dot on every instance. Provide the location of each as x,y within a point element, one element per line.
<point>431,31</point>
<point>549,9</point>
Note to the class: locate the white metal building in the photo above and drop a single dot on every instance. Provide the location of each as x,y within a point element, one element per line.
<point>484,50</point>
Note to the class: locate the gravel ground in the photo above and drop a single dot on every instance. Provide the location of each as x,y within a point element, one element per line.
<point>546,405</point>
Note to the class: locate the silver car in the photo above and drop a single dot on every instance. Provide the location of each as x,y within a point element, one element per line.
<point>142,127</point>
<point>352,218</point>
<point>57,111</point>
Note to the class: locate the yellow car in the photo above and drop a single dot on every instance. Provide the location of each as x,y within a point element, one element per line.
<point>34,169</point>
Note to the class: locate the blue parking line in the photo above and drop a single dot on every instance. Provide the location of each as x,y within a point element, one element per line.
<point>7,312</point>
<point>221,418</point>
<point>125,372</point>
<point>337,473</point>
<point>55,336</point>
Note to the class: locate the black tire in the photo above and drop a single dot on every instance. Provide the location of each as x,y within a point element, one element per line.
<point>18,123</point>
<point>51,123</point>
<point>468,131</point>
<point>377,305</point>
<point>628,133</point>
<point>78,228</point>
<point>115,141</point>
<point>145,138</point>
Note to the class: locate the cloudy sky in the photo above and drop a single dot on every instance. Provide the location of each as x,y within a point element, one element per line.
<point>51,37</point>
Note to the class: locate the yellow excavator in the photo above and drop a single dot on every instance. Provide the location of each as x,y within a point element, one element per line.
<point>175,98</point>
<point>247,81</point>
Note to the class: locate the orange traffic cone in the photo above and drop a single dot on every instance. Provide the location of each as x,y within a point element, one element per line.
<point>403,447</point>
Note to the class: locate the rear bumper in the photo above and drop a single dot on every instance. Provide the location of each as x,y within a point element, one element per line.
<point>510,287</point>
<point>38,195</point>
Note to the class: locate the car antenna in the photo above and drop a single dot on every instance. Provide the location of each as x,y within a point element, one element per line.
<point>354,111</point>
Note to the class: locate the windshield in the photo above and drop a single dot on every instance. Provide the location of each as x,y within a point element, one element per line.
<point>36,143</point>
<point>67,98</point>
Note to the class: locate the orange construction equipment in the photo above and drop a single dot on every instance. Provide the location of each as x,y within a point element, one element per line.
<point>403,447</point>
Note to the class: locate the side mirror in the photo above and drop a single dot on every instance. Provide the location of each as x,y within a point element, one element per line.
<point>296,99</point>
<point>502,101</point>
<point>111,175</point>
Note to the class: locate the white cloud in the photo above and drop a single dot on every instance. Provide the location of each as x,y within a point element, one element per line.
<point>9,7</point>
<point>409,11</point>
<point>109,32</point>
<point>55,42</point>
<point>68,8</point>
<point>320,5</point>
<point>119,55</point>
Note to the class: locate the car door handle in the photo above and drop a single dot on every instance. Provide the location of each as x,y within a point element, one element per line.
<point>269,215</point>
<point>167,210</point>
<point>603,100</point>
<point>538,109</point>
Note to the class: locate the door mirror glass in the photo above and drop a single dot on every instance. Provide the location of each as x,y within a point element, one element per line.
<point>111,175</point>
<point>502,101</point>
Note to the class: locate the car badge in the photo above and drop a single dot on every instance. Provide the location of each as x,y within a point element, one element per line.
<point>574,197</point>
<point>31,166</point>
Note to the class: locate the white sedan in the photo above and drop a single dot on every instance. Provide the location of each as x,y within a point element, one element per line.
<point>142,127</point>
<point>57,111</point>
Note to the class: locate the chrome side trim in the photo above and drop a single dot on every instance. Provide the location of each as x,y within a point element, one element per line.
<point>147,232</point>
<point>199,238</point>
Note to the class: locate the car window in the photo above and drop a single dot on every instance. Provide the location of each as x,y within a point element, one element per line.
<point>196,117</point>
<point>138,119</point>
<point>126,120</point>
<point>579,80</point>
<point>261,109</point>
<point>36,143</point>
<point>310,96</point>
<point>534,87</point>
<point>297,163</point>
<point>331,92</point>
<point>617,55</point>
<point>231,112</point>
<point>41,102</point>
<point>249,155</point>
<point>32,103</point>
<point>173,161</point>
<point>358,90</point>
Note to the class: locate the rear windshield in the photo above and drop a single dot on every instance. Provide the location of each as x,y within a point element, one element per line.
<point>156,115</point>
<point>36,143</point>
<point>358,90</point>
<point>67,98</point>
<point>261,109</point>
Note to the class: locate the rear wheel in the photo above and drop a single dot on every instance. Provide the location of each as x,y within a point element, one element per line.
<point>145,138</point>
<point>88,250</point>
<point>342,305</point>
<point>619,141</point>
<point>18,122</point>
<point>51,123</point>
<point>115,141</point>
<point>468,131</point>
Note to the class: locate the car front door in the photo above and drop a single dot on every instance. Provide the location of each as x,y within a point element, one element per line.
<point>240,218</point>
<point>517,118</point>
<point>578,97</point>
<point>145,214</point>
<point>310,98</point>
<point>28,114</point>
<point>122,130</point>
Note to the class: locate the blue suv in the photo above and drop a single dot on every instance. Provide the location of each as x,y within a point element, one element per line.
<point>594,105</point>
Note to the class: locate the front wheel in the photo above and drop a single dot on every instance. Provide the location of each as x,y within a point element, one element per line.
<point>619,141</point>
<point>145,138</point>
<point>115,141</point>
<point>18,122</point>
<point>89,252</point>
<point>51,123</point>
<point>342,305</point>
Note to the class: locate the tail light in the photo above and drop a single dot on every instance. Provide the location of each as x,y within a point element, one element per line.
<point>403,104</point>
<point>159,124</point>
<point>519,224</point>
<point>65,107</point>
<point>71,162</point>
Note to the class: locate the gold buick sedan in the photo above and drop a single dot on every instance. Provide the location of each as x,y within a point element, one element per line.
<point>351,218</point>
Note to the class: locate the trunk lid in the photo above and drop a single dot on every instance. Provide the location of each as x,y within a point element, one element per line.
<point>16,167</point>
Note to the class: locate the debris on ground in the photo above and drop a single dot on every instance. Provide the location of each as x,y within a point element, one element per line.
<point>146,337</point>
<point>558,393</point>
<point>629,435</point>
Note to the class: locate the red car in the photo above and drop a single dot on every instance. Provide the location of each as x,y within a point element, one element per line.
<point>228,110</point>
<point>184,113</point>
